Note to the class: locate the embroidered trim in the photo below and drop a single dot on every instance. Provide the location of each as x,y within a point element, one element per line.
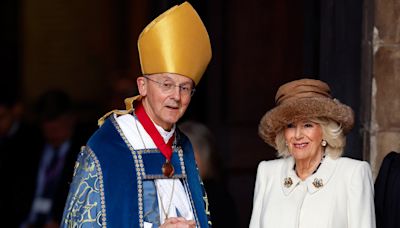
<point>180,154</point>
<point>205,198</point>
<point>139,171</point>
<point>101,187</point>
<point>153,177</point>
<point>186,184</point>
<point>178,150</point>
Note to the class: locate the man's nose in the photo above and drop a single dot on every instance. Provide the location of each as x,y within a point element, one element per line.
<point>176,93</point>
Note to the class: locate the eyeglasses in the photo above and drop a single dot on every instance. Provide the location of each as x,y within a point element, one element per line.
<point>168,87</point>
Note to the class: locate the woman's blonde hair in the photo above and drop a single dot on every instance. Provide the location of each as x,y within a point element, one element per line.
<point>332,133</point>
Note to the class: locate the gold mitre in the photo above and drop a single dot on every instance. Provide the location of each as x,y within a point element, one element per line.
<point>175,42</point>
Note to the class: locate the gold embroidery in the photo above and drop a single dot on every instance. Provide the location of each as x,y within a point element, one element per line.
<point>205,198</point>
<point>82,207</point>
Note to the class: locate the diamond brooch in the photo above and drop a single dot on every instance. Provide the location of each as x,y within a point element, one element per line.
<point>318,183</point>
<point>288,182</point>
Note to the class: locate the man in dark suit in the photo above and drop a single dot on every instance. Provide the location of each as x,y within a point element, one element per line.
<point>54,162</point>
<point>18,139</point>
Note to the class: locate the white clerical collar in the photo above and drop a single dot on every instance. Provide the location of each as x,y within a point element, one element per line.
<point>165,134</point>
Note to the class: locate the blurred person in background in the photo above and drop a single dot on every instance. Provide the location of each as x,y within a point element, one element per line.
<point>61,139</point>
<point>18,139</point>
<point>212,173</point>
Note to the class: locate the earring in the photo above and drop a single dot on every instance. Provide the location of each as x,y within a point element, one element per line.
<point>286,144</point>
<point>324,143</point>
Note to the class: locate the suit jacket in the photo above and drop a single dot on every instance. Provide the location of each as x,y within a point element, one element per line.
<point>27,190</point>
<point>339,194</point>
<point>16,160</point>
<point>387,192</point>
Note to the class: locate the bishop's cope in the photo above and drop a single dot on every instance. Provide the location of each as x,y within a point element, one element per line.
<point>138,169</point>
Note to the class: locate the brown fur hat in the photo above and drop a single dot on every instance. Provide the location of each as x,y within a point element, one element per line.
<point>300,100</point>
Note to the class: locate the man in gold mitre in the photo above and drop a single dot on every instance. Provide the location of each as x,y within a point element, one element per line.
<point>138,169</point>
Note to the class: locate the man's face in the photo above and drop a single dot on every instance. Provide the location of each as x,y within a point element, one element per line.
<point>166,97</point>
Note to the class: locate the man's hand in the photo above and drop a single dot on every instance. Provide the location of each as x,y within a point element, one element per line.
<point>178,222</point>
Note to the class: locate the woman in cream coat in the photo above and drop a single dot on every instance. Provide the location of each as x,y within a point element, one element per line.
<point>310,186</point>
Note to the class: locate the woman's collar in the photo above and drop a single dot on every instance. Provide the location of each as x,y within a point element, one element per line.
<point>315,182</point>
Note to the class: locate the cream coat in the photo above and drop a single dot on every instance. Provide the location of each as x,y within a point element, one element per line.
<point>344,198</point>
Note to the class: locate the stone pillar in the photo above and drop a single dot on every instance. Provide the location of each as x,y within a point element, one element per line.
<point>384,125</point>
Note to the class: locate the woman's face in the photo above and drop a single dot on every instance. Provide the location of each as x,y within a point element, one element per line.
<point>303,139</point>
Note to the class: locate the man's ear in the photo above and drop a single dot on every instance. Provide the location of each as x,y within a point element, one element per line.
<point>141,84</point>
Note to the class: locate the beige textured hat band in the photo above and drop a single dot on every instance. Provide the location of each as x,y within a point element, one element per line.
<point>304,89</point>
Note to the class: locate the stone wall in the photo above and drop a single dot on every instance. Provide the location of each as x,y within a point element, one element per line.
<point>385,91</point>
